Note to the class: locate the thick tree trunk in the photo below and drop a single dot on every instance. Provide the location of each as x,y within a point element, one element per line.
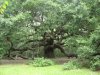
<point>49,52</point>
<point>49,46</point>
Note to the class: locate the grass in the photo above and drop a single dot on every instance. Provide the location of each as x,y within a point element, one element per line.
<point>51,70</point>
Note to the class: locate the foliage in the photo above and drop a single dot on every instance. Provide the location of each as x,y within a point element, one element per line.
<point>71,44</point>
<point>41,62</point>
<point>1,52</point>
<point>95,63</point>
<point>84,52</point>
<point>72,64</point>
<point>3,7</point>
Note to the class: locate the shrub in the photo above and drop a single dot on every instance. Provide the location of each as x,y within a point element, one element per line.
<point>89,61</point>
<point>95,63</point>
<point>85,62</point>
<point>71,45</point>
<point>58,53</point>
<point>28,54</point>
<point>84,52</point>
<point>1,52</point>
<point>41,62</point>
<point>72,64</point>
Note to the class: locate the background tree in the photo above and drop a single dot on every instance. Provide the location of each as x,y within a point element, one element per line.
<point>74,24</point>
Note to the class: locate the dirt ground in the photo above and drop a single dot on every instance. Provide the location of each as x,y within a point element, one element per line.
<point>57,60</point>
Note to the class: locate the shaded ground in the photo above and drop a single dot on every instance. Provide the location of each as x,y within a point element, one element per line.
<point>59,60</point>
